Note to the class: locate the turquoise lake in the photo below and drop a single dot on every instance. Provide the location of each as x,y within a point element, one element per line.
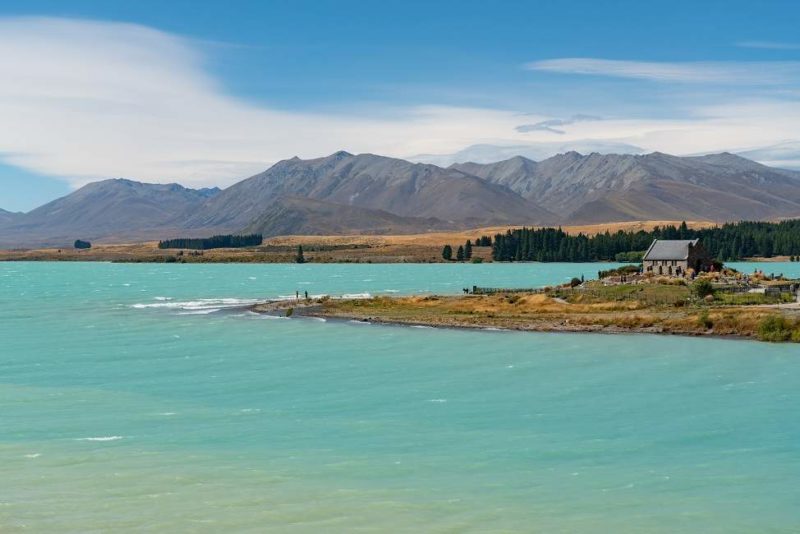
<point>142,398</point>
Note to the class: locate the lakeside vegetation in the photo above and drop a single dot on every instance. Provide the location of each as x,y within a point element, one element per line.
<point>217,241</point>
<point>729,242</point>
<point>669,308</point>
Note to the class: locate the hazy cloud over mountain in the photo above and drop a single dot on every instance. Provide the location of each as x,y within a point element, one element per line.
<point>552,125</point>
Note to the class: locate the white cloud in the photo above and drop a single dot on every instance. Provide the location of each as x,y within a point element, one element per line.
<point>746,73</point>
<point>86,100</point>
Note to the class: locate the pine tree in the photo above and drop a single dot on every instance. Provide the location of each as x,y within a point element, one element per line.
<point>447,252</point>
<point>460,253</point>
<point>468,250</point>
<point>300,258</point>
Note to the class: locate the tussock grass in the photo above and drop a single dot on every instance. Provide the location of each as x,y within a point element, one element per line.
<point>581,312</point>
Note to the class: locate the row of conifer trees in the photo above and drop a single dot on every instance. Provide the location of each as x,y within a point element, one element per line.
<point>728,242</point>
<point>217,241</point>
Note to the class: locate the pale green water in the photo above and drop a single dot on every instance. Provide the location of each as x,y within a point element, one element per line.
<point>123,411</point>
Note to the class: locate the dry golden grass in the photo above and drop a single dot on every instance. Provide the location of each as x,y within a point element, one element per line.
<point>443,238</point>
<point>541,313</point>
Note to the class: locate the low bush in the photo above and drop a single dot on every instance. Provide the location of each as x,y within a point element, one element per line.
<point>619,271</point>
<point>702,288</point>
<point>704,320</point>
<point>775,328</point>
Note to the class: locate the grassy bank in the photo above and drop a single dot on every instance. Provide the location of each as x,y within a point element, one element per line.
<point>624,308</point>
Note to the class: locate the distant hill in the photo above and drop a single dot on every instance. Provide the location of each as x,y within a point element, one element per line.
<point>117,207</point>
<point>613,187</point>
<point>8,216</point>
<point>374,183</point>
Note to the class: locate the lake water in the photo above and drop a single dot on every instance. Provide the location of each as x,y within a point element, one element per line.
<point>138,397</point>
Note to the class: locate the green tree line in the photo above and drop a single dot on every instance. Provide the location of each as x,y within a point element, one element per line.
<point>217,241</point>
<point>729,242</point>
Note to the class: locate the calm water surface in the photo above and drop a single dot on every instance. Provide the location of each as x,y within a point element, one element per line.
<point>139,397</point>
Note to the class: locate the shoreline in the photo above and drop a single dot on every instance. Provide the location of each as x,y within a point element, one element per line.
<point>544,322</point>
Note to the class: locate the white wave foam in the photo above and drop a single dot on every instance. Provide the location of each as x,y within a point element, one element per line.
<point>101,438</point>
<point>356,296</point>
<point>391,291</point>
<point>34,455</point>
<point>199,312</point>
<point>162,298</point>
<point>196,305</point>
<point>353,321</point>
<point>437,400</point>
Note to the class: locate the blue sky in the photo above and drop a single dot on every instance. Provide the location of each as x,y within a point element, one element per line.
<point>205,93</point>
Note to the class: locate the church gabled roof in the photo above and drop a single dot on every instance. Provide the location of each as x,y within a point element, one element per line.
<point>669,249</point>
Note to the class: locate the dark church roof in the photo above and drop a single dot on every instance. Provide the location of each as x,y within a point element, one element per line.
<point>667,249</point>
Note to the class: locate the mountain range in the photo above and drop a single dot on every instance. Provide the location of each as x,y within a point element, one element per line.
<point>345,194</point>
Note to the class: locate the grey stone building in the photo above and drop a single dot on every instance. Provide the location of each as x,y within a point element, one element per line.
<point>674,257</point>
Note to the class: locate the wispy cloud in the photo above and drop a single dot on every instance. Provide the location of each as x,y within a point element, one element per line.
<point>769,45</point>
<point>86,100</point>
<point>719,72</point>
<point>552,125</point>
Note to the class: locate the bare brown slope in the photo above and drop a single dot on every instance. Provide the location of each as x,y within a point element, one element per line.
<point>315,217</point>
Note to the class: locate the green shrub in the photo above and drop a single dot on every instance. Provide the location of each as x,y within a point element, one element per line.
<point>477,260</point>
<point>619,271</point>
<point>775,328</point>
<point>702,288</point>
<point>704,320</point>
